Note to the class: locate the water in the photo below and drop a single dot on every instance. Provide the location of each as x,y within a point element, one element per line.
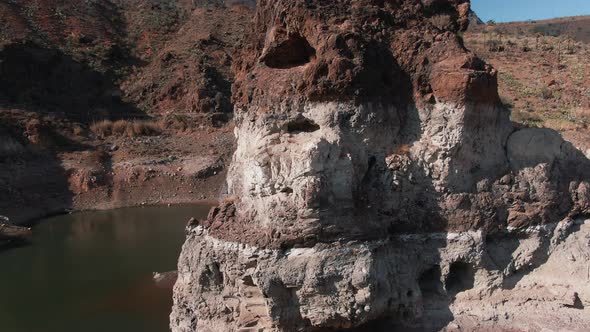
<point>92,271</point>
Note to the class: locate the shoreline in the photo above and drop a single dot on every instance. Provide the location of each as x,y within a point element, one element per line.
<point>34,221</point>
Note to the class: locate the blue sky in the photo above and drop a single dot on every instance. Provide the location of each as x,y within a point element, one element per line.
<point>522,10</point>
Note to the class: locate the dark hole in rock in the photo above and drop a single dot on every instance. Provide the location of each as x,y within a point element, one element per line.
<point>461,277</point>
<point>370,165</point>
<point>381,324</point>
<point>211,276</point>
<point>410,293</point>
<point>372,161</point>
<point>248,281</point>
<point>287,190</point>
<point>251,323</point>
<point>430,282</point>
<point>293,52</point>
<point>302,125</point>
<point>406,315</point>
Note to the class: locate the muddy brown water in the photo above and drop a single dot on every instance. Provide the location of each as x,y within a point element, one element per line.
<point>92,271</point>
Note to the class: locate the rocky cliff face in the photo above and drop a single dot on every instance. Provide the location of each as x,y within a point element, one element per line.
<point>70,69</point>
<point>377,180</point>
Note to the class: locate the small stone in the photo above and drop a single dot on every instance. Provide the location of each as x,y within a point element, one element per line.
<point>453,327</point>
<point>506,179</point>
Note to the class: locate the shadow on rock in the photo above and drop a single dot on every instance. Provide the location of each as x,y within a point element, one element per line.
<point>40,78</point>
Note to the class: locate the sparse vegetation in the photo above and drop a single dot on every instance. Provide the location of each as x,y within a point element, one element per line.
<point>542,79</point>
<point>546,93</point>
<point>128,128</point>
<point>525,46</point>
<point>494,43</point>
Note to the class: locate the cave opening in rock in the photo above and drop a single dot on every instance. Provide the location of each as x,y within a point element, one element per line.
<point>461,277</point>
<point>248,281</point>
<point>295,51</point>
<point>302,125</point>
<point>430,282</point>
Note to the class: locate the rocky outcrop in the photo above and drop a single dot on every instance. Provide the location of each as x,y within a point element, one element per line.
<point>474,20</point>
<point>378,180</point>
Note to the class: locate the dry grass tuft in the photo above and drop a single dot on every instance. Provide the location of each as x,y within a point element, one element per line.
<point>129,128</point>
<point>230,200</point>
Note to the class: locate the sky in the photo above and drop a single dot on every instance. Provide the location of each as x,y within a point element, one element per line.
<point>522,10</point>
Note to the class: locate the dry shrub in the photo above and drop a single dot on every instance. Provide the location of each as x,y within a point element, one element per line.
<point>146,128</point>
<point>495,45</point>
<point>120,127</point>
<point>129,128</point>
<point>102,128</point>
<point>546,93</point>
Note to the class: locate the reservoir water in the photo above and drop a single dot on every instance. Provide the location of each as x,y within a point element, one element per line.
<point>92,271</point>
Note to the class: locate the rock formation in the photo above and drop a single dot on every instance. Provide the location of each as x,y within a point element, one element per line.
<point>379,183</point>
<point>474,20</point>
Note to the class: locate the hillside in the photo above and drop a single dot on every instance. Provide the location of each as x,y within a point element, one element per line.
<point>101,101</point>
<point>123,56</point>
<point>544,79</point>
<point>576,27</point>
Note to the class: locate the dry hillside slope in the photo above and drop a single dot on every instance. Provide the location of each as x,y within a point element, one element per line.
<point>544,76</point>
